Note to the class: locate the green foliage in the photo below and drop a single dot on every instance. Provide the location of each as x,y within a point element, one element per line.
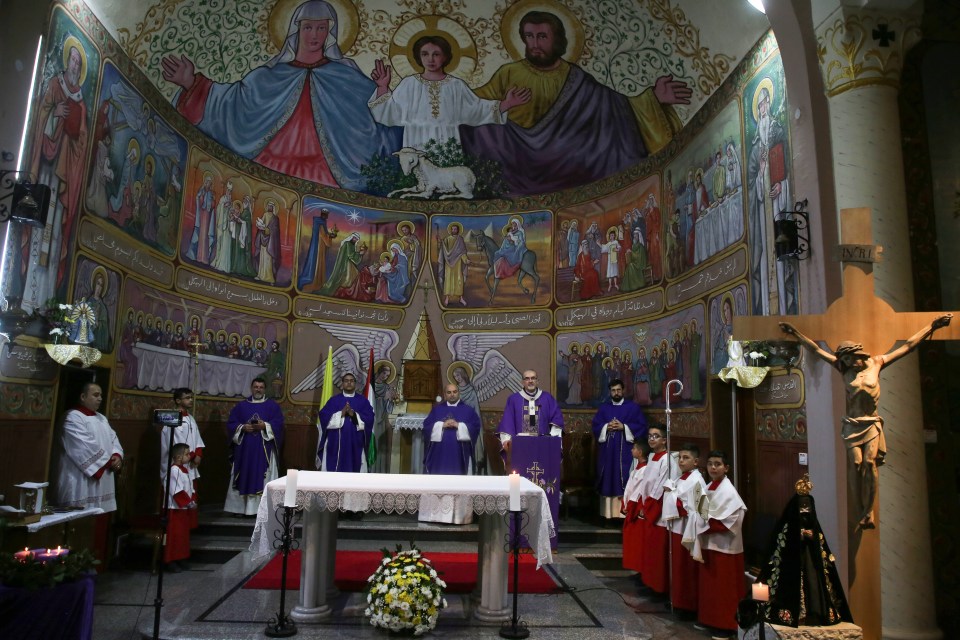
<point>39,575</point>
<point>383,173</point>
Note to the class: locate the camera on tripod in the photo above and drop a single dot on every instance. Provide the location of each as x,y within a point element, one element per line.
<point>167,417</point>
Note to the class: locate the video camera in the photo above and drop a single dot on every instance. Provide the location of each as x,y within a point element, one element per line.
<point>167,417</point>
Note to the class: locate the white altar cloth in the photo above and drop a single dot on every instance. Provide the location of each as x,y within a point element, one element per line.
<point>322,494</point>
<point>162,369</point>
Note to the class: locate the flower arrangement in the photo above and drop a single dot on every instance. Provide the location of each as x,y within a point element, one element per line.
<point>36,569</point>
<point>57,316</point>
<point>405,593</point>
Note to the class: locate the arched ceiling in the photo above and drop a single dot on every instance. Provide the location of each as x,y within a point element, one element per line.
<point>625,44</point>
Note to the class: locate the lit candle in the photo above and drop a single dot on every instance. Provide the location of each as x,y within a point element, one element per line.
<point>761,592</point>
<point>514,491</point>
<point>290,497</point>
<point>23,556</point>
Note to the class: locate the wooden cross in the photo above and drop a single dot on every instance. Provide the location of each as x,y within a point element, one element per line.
<point>857,315</point>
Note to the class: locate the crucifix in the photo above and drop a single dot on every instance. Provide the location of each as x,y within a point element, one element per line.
<point>864,329</point>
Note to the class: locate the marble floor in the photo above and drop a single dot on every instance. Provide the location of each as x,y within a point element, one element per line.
<point>206,602</point>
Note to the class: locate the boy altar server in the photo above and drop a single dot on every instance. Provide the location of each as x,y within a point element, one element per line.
<point>632,500</point>
<point>660,468</point>
<point>721,585</point>
<point>679,501</point>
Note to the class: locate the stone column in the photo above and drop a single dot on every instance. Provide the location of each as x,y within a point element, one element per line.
<point>861,54</point>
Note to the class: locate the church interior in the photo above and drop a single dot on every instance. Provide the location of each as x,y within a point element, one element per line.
<point>433,193</point>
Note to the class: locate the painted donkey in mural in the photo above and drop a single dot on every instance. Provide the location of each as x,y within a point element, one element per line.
<point>526,267</point>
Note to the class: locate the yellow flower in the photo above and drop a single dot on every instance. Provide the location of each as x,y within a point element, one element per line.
<point>388,598</point>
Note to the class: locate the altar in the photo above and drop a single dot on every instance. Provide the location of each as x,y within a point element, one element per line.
<point>162,369</point>
<point>323,494</point>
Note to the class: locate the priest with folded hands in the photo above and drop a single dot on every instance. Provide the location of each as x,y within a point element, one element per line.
<point>346,422</point>
<point>450,434</point>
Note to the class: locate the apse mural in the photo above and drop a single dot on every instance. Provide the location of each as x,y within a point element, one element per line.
<point>703,194</point>
<point>644,356</point>
<point>161,331</point>
<point>420,123</point>
<point>237,225</point>
<point>360,254</point>
<point>492,260</point>
<point>774,284</point>
<point>136,173</point>
<point>99,286</point>
<point>58,150</point>
<point>723,309</point>
<point>610,246</point>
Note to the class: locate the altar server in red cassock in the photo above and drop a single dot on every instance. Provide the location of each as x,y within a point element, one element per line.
<point>660,468</point>
<point>632,500</point>
<point>680,499</point>
<point>181,502</point>
<point>721,585</point>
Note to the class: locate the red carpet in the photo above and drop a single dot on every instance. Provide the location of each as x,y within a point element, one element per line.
<point>458,570</point>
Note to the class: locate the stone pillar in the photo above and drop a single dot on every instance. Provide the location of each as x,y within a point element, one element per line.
<point>861,54</point>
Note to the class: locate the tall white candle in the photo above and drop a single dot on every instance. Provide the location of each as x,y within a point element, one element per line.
<point>514,491</point>
<point>290,496</point>
<point>761,592</point>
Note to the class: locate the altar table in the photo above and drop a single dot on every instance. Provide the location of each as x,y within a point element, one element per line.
<point>323,494</point>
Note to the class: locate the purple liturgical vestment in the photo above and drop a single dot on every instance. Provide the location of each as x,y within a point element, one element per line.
<point>251,457</point>
<point>343,440</point>
<point>613,451</point>
<point>516,415</point>
<point>453,453</point>
<point>536,458</point>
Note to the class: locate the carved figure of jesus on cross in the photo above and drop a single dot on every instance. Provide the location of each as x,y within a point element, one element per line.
<point>878,327</point>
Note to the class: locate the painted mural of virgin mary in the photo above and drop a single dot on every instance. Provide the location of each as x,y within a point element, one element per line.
<point>297,114</point>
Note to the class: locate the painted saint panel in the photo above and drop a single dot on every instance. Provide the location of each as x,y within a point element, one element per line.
<point>100,287</point>
<point>63,118</point>
<point>774,284</point>
<point>360,254</point>
<point>703,195</point>
<point>610,246</point>
<point>237,225</point>
<point>161,331</point>
<point>135,178</point>
<point>723,309</point>
<point>644,356</point>
<point>492,260</point>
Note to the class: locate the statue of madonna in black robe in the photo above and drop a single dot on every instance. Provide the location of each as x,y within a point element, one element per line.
<point>805,587</point>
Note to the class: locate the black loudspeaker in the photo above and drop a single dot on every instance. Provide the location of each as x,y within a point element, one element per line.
<point>30,203</point>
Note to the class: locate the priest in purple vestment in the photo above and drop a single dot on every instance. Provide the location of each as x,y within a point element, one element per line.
<point>450,434</point>
<point>530,411</point>
<point>533,412</point>
<point>255,429</point>
<point>346,422</point>
<point>616,425</point>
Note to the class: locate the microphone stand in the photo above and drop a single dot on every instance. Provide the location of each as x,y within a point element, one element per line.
<point>158,600</point>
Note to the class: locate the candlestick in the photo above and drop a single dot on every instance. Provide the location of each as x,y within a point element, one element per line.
<point>761,592</point>
<point>514,491</point>
<point>290,496</point>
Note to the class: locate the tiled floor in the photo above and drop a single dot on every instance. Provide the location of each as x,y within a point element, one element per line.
<point>207,602</point>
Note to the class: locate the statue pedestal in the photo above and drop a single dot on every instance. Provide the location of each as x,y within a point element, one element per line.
<point>842,631</point>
